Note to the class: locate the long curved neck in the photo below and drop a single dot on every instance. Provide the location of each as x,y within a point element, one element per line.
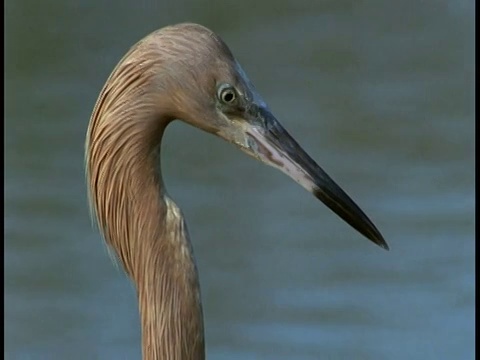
<point>143,226</point>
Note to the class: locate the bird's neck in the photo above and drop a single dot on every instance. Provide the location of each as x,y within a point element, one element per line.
<point>164,271</point>
<point>168,292</point>
<point>148,234</point>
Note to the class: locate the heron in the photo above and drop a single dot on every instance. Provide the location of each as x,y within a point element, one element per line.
<point>180,72</point>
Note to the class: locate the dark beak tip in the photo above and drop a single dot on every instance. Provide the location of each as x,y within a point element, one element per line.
<point>380,241</point>
<point>383,245</point>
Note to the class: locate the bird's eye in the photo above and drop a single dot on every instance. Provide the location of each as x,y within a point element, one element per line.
<point>227,94</point>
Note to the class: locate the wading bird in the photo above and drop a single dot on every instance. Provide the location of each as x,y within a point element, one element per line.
<point>181,72</point>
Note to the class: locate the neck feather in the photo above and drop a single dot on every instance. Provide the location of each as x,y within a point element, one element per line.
<point>139,222</point>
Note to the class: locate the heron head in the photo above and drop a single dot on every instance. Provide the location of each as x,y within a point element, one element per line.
<point>212,92</point>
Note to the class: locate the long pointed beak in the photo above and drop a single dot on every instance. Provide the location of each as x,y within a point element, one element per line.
<point>272,144</point>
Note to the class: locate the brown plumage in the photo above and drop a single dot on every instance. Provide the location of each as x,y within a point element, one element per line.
<point>179,72</point>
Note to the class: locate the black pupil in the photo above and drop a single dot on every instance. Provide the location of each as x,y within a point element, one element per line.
<point>228,96</point>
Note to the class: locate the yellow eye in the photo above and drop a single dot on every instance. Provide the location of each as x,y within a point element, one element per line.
<point>227,94</point>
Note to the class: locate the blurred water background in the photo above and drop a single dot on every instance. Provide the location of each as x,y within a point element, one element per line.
<point>380,93</point>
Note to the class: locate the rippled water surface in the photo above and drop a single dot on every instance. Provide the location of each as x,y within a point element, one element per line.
<point>381,94</point>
